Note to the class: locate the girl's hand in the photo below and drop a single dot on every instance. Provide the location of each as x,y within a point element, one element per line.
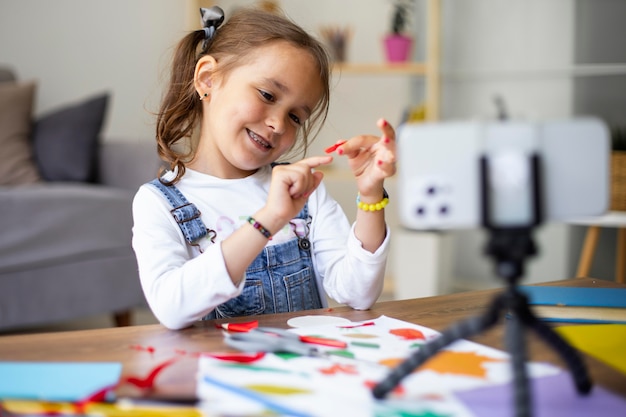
<point>371,159</point>
<point>291,186</point>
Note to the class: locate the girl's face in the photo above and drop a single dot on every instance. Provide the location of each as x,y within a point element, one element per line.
<point>253,115</point>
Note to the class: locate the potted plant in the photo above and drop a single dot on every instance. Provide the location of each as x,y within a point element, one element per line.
<point>398,43</point>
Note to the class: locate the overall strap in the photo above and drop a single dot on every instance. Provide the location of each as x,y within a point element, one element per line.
<point>304,213</point>
<point>185,213</point>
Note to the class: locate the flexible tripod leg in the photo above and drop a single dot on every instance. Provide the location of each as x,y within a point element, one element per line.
<point>516,344</point>
<point>569,355</point>
<point>456,332</point>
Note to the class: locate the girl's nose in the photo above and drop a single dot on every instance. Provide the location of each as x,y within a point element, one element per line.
<point>277,123</point>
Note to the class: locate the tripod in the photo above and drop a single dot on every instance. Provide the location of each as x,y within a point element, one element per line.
<point>509,246</point>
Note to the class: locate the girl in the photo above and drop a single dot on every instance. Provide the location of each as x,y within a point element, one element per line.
<point>228,232</point>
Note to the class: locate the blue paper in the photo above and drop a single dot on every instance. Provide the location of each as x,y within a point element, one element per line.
<point>576,296</point>
<point>56,381</point>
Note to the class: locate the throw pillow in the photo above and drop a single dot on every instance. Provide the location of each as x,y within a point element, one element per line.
<point>66,141</point>
<point>16,162</point>
<point>6,75</point>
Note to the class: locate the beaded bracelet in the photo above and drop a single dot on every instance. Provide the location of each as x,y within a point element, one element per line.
<point>258,226</point>
<point>373,207</point>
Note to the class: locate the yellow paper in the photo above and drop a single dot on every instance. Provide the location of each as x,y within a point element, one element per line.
<point>606,342</point>
<point>97,409</point>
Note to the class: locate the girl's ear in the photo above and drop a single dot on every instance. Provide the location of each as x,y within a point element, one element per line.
<point>205,69</point>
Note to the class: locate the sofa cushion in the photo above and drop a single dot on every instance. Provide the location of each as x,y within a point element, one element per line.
<point>16,163</point>
<point>66,141</point>
<point>6,74</point>
<point>55,223</point>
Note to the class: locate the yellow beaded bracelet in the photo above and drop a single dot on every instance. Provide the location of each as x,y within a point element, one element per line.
<point>373,207</point>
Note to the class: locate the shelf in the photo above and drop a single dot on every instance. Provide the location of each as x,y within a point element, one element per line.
<point>576,70</point>
<point>409,68</point>
<point>429,69</point>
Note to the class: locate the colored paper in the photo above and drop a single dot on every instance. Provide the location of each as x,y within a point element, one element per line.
<point>552,396</point>
<point>341,383</point>
<point>56,381</point>
<point>577,304</point>
<point>606,342</point>
<point>316,320</point>
<point>125,408</point>
<point>575,296</point>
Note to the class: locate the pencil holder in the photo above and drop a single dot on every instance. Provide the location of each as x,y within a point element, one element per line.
<point>337,39</point>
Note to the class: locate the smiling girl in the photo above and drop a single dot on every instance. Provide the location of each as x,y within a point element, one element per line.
<point>253,90</point>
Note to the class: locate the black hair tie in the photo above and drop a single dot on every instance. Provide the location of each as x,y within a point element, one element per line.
<point>211,19</point>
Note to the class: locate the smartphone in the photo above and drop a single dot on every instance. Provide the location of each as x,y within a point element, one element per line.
<point>467,174</point>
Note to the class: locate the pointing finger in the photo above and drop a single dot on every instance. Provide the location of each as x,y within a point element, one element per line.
<point>315,161</point>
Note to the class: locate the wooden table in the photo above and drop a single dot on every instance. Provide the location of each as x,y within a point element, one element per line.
<point>132,346</point>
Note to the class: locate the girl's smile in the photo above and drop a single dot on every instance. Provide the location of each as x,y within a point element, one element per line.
<point>263,145</point>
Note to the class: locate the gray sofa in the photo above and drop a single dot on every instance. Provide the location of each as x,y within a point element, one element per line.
<point>65,248</point>
<point>66,227</point>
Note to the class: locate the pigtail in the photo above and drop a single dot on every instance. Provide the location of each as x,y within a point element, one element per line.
<point>180,109</point>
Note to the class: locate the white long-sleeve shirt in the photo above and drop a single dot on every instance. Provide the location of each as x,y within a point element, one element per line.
<point>183,283</point>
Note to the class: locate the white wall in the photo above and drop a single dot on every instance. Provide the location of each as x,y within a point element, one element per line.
<point>76,48</point>
<point>521,50</point>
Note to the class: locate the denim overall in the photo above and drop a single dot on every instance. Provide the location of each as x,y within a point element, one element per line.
<point>280,279</point>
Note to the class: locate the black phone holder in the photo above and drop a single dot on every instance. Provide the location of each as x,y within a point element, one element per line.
<point>509,246</point>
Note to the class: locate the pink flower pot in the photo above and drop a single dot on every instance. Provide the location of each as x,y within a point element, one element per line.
<point>398,48</point>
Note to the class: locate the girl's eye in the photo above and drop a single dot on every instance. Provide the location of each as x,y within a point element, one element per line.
<point>267,96</point>
<point>295,118</point>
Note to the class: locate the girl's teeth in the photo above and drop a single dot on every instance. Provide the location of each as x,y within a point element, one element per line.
<point>259,140</point>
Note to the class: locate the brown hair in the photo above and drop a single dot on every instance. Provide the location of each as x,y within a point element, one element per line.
<point>247,29</point>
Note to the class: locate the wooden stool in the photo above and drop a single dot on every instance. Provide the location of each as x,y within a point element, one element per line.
<point>616,219</point>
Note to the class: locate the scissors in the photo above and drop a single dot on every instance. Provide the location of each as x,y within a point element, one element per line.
<point>272,339</point>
